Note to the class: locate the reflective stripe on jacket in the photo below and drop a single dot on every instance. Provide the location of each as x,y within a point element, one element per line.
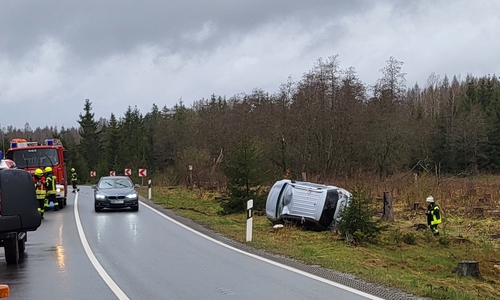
<point>50,183</point>
<point>40,190</point>
<point>436,215</point>
<point>74,177</point>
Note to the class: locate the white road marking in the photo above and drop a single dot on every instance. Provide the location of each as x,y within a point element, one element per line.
<point>112,285</point>
<point>329,282</point>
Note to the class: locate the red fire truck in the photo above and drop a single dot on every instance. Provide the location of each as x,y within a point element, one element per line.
<point>32,155</point>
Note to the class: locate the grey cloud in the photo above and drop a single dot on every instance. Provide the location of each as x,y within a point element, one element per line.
<point>93,29</point>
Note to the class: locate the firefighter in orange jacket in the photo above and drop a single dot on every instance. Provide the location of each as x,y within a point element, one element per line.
<point>40,189</point>
<point>50,184</point>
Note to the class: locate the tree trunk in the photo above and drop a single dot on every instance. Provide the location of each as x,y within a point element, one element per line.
<point>304,176</point>
<point>468,268</point>
<point>388,212</point>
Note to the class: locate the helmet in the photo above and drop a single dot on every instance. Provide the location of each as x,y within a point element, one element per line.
<point>48,169</point>
<point>429,199</point>
<point>72,169</point>
<point>38,172</point>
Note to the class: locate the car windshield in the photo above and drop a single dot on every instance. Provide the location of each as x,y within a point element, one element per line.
<point>114,183</point>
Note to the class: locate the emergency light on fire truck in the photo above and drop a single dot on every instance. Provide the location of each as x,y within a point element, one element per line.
<point>21,143</point>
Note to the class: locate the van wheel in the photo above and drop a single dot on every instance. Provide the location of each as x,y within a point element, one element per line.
<point>11,248</point>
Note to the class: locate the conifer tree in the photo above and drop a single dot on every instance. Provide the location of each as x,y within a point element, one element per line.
<point>90,149</point>
<point>244,176</point>
<point>357,220</point>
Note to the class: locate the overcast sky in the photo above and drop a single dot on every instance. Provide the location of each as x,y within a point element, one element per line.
<point>54,54</point>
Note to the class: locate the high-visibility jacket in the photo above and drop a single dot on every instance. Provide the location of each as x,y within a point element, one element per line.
<point>40,190</point>
<point>50,184</point>
<point>74,176</point>
<point>434,216</point>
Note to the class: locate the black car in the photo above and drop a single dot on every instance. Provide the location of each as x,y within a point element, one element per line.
<point>115,192</point>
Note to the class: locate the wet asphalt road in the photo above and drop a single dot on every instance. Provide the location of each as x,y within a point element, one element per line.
<point>79,254</point>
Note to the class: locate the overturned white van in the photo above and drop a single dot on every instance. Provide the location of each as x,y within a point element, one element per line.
<point>306,202</point>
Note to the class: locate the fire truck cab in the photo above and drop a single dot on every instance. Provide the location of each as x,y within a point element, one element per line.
<point>32,155</point>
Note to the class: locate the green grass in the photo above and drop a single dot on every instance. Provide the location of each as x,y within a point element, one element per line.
<point>423,269</point>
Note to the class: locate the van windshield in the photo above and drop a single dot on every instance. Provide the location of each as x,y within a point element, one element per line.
<point>31,158</point>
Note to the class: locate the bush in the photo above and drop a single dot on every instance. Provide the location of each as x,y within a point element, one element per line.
<point>409,238</point>
<point>445,241</point>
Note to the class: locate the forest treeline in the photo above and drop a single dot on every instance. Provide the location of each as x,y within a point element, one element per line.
<point>327,124</point>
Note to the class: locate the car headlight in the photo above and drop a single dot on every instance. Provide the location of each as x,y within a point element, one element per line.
<point>100,197</point>
<point>58,190</point>
<point>132,196</point>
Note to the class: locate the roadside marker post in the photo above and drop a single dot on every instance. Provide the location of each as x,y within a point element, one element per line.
<point>249,220</point>
<point>149,189</point>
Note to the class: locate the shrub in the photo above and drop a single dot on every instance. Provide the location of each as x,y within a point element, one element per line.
<point>444,240</point>
<point>409,238</point>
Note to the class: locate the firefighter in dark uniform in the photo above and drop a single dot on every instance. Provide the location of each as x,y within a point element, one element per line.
<point>74,180</point>
<point>41,192</point>
<point>50,184</point>
<point>433,215</point>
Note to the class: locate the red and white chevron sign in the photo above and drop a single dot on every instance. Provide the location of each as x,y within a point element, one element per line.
<point>142,173</point>
<point>92,173</point>
<point>111,173</point>
<point>128,172</point>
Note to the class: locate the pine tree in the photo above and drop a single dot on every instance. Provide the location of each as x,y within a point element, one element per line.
<point>244,176</point>
<point>357,219</point>
<point>89,144</point>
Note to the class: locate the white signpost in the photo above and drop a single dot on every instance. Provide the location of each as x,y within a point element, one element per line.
<point>111,173</point>
<point>249,219</point>
<point>128,172</point>
<point>149,189</point>
<point>92,173</point>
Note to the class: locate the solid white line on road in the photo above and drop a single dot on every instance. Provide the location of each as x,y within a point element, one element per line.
<point>112,285</point>
<point>329,282</point>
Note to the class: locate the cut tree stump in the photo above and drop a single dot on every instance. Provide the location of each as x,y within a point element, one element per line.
<point>468,268</point>
<point>416,205</point>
